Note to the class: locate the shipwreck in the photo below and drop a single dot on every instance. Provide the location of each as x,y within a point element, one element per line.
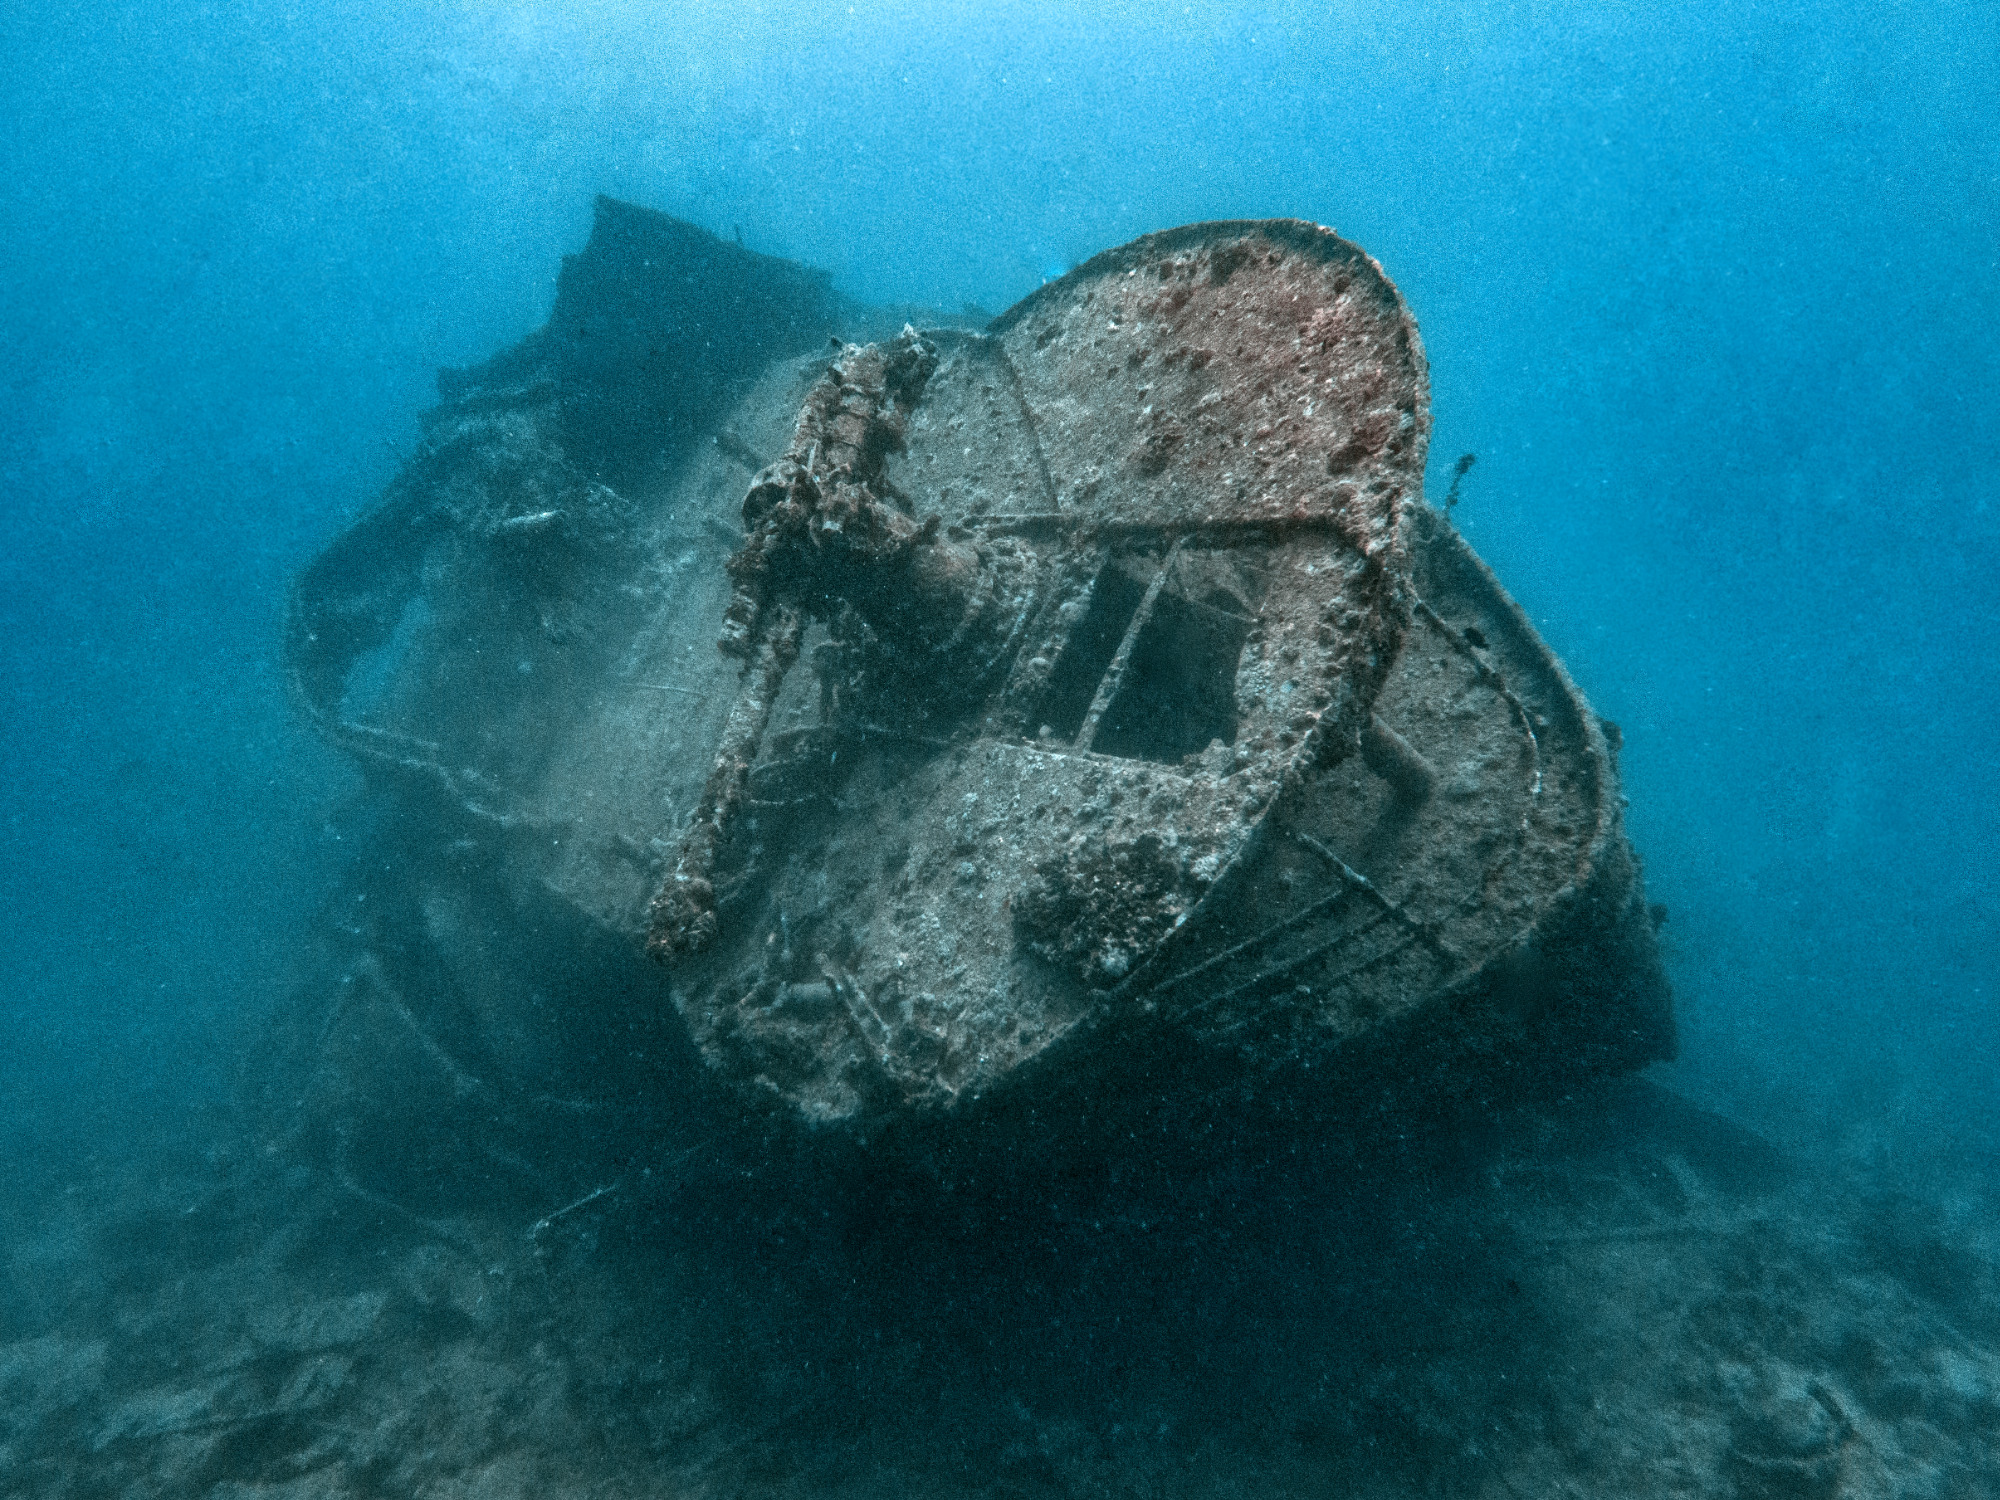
<point>907,727</point>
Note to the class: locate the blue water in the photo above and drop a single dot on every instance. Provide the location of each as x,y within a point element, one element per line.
<point>1713,292</point>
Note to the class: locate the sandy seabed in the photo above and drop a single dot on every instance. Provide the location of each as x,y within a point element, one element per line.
<point>1616,1295</point>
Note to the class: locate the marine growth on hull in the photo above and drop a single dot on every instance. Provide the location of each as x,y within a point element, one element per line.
<point>974,720</point>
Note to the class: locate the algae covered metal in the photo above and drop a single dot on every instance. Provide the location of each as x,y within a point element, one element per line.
<point>1098,705</point>
<point>1146,698</point>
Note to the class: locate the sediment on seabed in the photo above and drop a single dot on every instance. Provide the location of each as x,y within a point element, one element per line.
<point>1617,1295</point>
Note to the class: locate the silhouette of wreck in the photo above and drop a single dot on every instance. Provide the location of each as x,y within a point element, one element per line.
<point>1102,723</point>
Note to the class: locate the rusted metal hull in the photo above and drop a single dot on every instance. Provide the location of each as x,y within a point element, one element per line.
<point>1103,710</point>
<point>1152,706</point>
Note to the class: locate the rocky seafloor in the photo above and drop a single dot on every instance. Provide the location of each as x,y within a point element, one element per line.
<point>1613,1294</point>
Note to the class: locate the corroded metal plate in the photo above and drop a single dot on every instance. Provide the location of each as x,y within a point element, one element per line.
<point>1078,601</point>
